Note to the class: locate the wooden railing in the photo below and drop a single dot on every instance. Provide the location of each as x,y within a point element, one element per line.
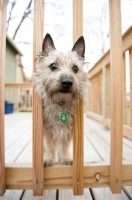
<point>78,176</point>
<point>20,94</point>
<point>99,92</point>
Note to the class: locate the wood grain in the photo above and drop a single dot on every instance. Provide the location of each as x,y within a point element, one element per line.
<point>103,91</point>
<point>116,63</point>
<point>77,19</point>
<point>12,195</point>
<point>126,44</point>
<point>13,85</point>
<point>56,178</point>
<point>78,152</point>
<point>124,91</point>
<point>96,93</point>
<point>98,68</point>
<point>102,137</point>
<point>78,130</point>
<point>130,61</point>
<point>67,194</point>
<point>3,4</point>
<point>19,176</point>
<point>105,193</point>
<point>38,171</point>
<point>127,130</point>
<point>48,195</point>
<point>128,191</point>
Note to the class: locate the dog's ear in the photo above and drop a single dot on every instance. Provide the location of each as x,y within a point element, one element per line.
<point>48,44</point>
<point>79,47</point>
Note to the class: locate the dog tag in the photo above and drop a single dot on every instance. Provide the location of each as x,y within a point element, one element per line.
<point>63,117</point>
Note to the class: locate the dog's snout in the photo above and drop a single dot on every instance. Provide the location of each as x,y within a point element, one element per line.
<point>66,83</point>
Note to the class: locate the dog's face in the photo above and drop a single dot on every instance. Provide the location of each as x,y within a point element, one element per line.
<point>60,77</point>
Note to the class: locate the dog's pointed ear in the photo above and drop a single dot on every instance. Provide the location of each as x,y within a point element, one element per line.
<point>48,44</point>
<point>79,47</point>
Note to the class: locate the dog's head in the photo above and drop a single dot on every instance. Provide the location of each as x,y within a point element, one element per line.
<point>60,77</point>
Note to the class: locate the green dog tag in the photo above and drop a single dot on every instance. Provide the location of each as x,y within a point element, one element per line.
<point>63,117</point>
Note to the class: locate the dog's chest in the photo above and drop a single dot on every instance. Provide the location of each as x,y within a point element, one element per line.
<point>58,120</point>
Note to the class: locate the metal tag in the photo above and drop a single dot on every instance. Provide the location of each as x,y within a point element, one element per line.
<point>63,117</point>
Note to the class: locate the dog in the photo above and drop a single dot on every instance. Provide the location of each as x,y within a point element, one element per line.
<point>61,81</point>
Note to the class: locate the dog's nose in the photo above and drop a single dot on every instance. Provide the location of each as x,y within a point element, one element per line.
<point>66,83</point>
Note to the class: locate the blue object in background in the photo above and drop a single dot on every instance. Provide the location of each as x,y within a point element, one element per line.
<point>9,107</point>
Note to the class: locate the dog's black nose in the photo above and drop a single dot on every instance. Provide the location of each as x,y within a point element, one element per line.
<point>66,83</point>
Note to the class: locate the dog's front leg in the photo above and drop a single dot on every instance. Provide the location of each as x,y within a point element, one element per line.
<point>49,154</point>
<point>64,153</point>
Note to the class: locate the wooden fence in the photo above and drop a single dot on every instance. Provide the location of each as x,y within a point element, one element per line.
<point>78,176</point>
<point>99,93</point>
<point>20,95</point>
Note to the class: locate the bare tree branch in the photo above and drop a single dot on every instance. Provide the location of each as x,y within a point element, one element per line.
<point>25,15</point>
<point>13,18</point>
<point>23,42</point>
<point>10,13</point>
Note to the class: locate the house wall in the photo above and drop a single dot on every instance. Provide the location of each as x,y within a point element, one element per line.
<point>19,70</point>
<point>10,69</point>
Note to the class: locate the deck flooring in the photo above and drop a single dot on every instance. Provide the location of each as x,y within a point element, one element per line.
<point>18,149</point>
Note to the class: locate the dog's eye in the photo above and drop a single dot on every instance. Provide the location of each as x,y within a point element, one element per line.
<point>75,69</point>
<point>53,66</point>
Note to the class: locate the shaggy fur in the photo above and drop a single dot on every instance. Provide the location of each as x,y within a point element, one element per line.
<point>61,82</point>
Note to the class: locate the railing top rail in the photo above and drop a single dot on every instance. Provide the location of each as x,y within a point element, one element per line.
<point>18,85</point>
<point>105,59</point>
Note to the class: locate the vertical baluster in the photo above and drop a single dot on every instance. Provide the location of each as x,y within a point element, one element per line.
<point>130,61</point>
<point>116,63</point>
<point>2,96</point>
<point>78,160</point>
<point>38,168</point>
<point>104,93</point>
<point>124,91</point>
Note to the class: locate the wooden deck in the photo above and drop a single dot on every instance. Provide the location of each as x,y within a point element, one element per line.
<point>18,149</point>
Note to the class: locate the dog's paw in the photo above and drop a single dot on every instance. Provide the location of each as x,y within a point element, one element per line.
<point>48,162</point>
<point>67,162</point>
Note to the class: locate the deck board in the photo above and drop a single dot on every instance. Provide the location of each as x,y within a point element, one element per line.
<point>12,195</point>
<point>104,144</point>
<point>48,195</point>
<point>128,191</point>
<point>18,149</point>
<point>68,195</point>
<point>105,136</point>
<point>105,193</point>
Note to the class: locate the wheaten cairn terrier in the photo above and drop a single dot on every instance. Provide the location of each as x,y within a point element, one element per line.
<point>61,81</point>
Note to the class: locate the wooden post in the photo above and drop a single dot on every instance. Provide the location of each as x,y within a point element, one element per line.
<point>38,165</point>
<point>2,96</point>
<point>77,19</point>
<point>104,94</point>
<point>130,61</point>
<point>107,91</point>
<point>78,160</point>
<point>124,90</point>
<point>116,62</point>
